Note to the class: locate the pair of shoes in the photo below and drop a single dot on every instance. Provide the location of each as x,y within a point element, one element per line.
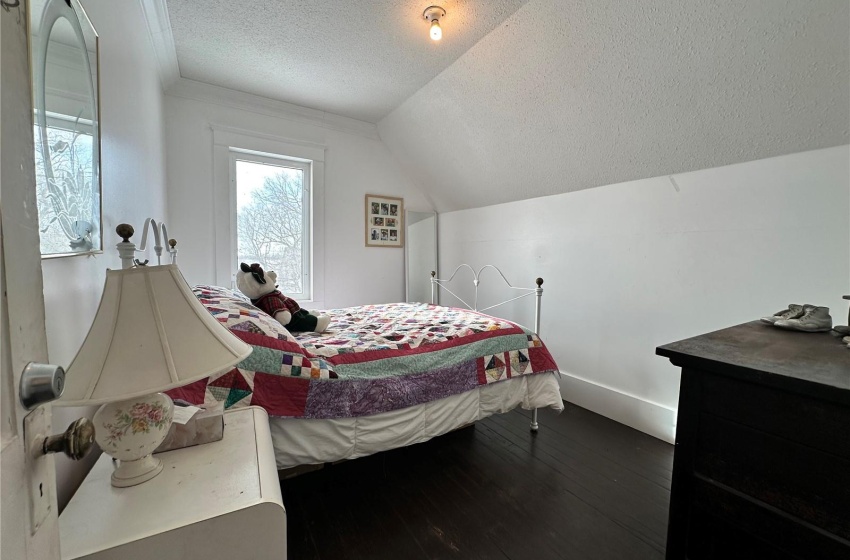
<point>813,319</point>
<point>794,311</point>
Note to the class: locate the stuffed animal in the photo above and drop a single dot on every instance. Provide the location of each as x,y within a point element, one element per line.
<point>260,286</point>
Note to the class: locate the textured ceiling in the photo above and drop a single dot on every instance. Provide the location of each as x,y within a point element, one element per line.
<point>356,59</point>
<point>572,95</point>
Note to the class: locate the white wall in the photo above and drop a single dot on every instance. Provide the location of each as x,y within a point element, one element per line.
<point>356,163</point>
<point>133,161</point>
<point>631,266</point>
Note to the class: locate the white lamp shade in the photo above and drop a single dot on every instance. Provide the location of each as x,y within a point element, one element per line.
<point>150,334</point>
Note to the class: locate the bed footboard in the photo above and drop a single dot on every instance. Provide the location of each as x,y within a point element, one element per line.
<point>437,283</point>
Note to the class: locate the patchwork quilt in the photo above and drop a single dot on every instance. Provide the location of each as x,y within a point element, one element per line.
<point>371,359</point>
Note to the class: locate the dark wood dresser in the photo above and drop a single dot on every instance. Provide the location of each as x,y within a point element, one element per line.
<point>762,462</point>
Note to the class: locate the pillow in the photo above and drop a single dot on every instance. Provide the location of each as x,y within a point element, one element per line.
<point>276,351</point>
<point>235,311</point>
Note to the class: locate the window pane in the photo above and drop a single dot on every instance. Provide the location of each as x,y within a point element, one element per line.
<point>270,221</point>
<point>68,204</point>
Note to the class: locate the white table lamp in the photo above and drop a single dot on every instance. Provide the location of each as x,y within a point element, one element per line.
<point>150,334</point>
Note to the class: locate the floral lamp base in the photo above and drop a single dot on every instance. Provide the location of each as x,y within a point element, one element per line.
<point>129,431</point>
<point>131,473</point>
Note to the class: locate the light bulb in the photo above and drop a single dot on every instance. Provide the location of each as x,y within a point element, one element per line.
<point>436,32</point>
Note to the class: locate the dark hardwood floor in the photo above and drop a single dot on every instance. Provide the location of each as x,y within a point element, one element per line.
<point>583,487</point>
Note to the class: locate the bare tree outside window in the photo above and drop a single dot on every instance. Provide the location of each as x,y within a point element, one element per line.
<point>270,221</point>
<point>67,195</point>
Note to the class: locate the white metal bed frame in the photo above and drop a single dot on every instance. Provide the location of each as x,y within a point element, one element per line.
<point>437,283</point>
<point>127,249</point>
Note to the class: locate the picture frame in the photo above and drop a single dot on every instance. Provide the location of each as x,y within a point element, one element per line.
<point>384,221</point>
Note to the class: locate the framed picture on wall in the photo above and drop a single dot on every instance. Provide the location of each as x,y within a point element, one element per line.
<point>384,217</point>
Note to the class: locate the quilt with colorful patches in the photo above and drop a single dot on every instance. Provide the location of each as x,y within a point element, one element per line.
<point>371,359</point>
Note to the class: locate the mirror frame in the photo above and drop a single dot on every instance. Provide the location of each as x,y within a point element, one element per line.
<point>75,14</point>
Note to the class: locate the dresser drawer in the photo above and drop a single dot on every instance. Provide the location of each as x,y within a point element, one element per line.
<point>807,483</point>
<point>812,422</point>
<point>726,524</point>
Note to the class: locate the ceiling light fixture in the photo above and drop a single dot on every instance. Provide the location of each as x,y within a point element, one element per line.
<point>433,14</point>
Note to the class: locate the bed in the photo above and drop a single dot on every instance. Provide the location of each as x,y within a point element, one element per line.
<point>380,377</point>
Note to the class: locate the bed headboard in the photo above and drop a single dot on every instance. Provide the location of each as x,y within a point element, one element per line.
<point>437,283</point>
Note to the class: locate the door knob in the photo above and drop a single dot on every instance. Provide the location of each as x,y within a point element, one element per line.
<point>41,383</point>
<point>75,442</point>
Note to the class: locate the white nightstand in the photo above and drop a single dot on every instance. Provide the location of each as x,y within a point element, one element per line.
<point>219,500</point>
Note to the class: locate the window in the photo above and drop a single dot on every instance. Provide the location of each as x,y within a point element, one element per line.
<point>273,218</point>
<point>232,144</point>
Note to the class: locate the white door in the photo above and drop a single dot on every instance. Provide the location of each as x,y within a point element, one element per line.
<point>22,333</point>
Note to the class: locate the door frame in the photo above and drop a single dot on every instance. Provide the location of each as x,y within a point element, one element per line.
<point>23,336</point>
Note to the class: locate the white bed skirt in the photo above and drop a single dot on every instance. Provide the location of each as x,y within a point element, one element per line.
<point>299,441</point>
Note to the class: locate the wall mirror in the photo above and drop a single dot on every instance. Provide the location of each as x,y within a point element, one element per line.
<point>420,254</point>
<point>66,115</point>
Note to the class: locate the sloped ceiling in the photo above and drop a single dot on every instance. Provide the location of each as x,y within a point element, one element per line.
<point>358,59</point>
<point>568,95</point>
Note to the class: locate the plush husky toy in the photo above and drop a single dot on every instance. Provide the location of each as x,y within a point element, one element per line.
<point>261,288</point>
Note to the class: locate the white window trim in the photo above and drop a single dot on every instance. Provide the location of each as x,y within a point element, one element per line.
<point>307,241</point>
<point>228,139</point>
